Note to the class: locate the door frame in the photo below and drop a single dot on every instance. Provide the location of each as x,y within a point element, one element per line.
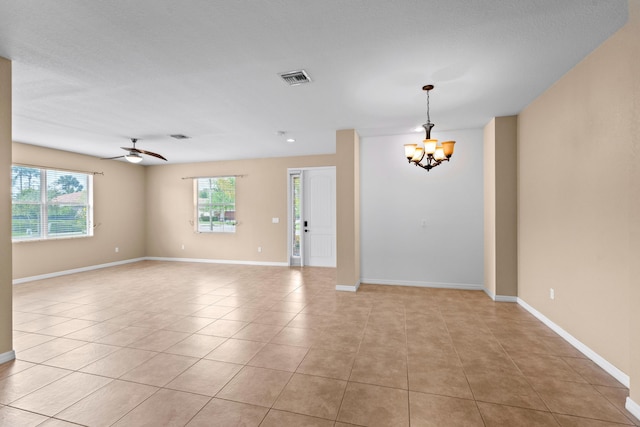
<point>292,171</point>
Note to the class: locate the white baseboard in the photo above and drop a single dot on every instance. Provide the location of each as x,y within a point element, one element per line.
<point>128,261</point>
<point>218,261</point>
<point>505,298</point>
<point>75,270</point>
<point>348,288</point>
<point>7,356</point>
<point>632,407</point>
<point>595,357</point>
<point>462,286</point>
<point>500,298</point>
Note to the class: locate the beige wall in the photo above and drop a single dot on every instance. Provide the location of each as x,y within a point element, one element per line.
<point>489,175</point>
<point>348,207</point>
<point>631,41</point>
<point>119,213</point>
<point>574,193</point>
<point>634,273</point>
<point>6,344</point>
<point>261,194</point>
<point>500,206</point>
<point>133,202</point>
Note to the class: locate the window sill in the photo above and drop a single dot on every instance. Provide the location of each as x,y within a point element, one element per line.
<point>49,239</point>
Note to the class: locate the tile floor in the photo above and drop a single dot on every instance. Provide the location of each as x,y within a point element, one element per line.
<point>177,344</point>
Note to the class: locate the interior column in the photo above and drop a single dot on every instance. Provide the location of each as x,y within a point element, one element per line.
<point>348,209</point>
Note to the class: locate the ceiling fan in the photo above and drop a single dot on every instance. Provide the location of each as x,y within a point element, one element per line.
<point>134,153</point>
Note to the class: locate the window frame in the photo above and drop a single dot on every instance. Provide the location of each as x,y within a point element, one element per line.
<point>226,226</point>
<point>46,207</point>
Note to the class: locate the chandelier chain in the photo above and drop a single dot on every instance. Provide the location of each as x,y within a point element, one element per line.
<point>428,116</point>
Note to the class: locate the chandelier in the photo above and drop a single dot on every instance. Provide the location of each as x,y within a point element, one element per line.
<point>431,154</point>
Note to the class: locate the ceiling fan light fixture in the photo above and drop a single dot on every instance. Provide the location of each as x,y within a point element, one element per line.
<point>134,154</point>
<point>133,158</point>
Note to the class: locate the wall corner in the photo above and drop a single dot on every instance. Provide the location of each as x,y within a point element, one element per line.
<point>6,250</point>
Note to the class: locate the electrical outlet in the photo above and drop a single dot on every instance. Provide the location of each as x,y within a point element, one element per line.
<point>259,248</point>
<point>117,249</point>
<point>552,293</point>
<point>183,247</point>
<point>275,220</point>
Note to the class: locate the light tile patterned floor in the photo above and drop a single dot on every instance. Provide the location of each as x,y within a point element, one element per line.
<point>156,343</point>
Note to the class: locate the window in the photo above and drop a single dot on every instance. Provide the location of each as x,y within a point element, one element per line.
<point>216,204</point>
<point>49,204</point>
<point>296,214</point>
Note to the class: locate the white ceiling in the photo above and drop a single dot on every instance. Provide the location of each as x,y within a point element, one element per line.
<point>88,75</point>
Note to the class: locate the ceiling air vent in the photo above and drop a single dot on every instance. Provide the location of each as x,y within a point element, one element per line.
<point>179,136</point>
<point>294,78</point>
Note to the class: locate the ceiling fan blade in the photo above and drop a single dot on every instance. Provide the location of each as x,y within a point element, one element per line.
<point>150,153</point>
<point>131,149</point>
<point>134,150</point>
<point>111,158</point>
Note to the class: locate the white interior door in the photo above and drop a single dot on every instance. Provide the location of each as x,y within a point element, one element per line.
<point>319,217</point>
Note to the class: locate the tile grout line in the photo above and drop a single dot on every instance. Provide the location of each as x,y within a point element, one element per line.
<point>353,364</point>
<point>241,282</point>
<point>406,344</point>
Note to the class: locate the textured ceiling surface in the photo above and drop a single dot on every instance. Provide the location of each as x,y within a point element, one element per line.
<point>88,75</point>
